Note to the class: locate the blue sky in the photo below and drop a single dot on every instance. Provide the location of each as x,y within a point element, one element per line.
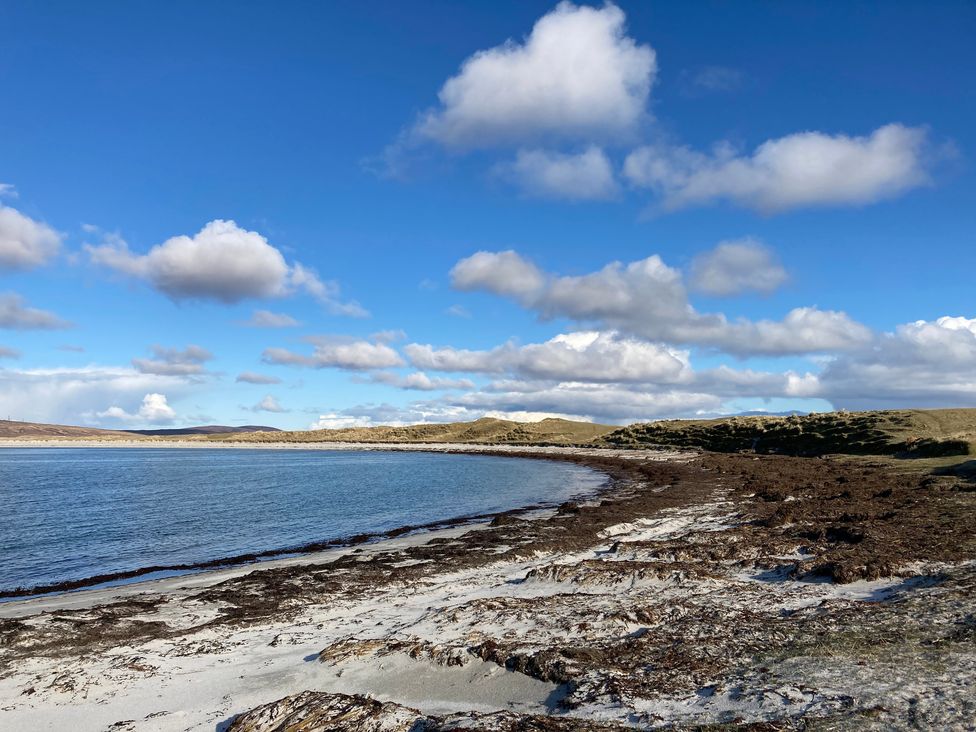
<point>436,193</point>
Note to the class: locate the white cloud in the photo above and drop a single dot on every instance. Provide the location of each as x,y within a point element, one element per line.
<point>502,273</point>
<point>174,362</point>
<point>648,299</point>
<point>221,262</point>
<point>6,352</point>
<point>268,319</point>
<point>8,190</point>
<point>600,402</point>
<point>269,404</point>
<point>799,170</point>
<point>420,381</point>
<point>425,356</point>
<point>73,395</point>
<point>24,242</point>
<point>738,266</point>
<point>587,175</point>
<point>577,76</point>
<point>15,315</point>
<point>582,356</point>
<point>153,410</point>
<point>335,421</point>
<point>250,377</point>
<point>372,415</point>
<point>921,364</point>
<point>340,353</point>
<point>925,364</point>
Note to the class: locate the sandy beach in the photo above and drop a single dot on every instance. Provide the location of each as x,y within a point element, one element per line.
<point>697,589</point>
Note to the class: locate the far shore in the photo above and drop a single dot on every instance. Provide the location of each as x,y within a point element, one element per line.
<point>463,447</point>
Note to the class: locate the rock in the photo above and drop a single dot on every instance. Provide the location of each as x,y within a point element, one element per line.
<point>317,711</point>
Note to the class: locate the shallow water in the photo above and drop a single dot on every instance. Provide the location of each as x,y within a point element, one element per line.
<point>73,513</point>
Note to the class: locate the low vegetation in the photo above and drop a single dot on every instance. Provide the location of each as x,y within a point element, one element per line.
<point>482,431</point>
<point>902,433</point>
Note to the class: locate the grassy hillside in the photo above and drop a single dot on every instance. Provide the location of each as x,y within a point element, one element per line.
<point>10,429</point>
<point>908,433</point>
<point>486,430</point>
<point>207,429</point>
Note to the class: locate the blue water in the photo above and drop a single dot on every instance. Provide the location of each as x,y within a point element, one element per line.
<point>73,513</point>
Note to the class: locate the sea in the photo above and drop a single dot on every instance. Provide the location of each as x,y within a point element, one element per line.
<point>71,514</point>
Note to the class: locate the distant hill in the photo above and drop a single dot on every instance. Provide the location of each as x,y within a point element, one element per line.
<point>209,429</point>
<point>484,431</point>
<point>11,429</point>
<point>908,432</point>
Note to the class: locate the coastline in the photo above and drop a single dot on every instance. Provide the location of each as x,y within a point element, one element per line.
<point>451,447</point>
<point>697,589</point>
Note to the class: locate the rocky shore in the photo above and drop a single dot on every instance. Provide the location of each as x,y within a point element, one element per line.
<point>699,590</point>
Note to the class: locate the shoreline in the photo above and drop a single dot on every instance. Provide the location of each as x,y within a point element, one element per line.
<point>451,447</point>
<point>256,559</point>
<point>179,584</point>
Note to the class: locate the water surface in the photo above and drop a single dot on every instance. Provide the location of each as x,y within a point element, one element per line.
<point>72,513</point>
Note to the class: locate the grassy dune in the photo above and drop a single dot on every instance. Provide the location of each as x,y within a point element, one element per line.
<point>906,433</point>
<point>481,431</point>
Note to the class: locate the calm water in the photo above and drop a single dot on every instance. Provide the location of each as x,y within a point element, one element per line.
<point>68,514</point>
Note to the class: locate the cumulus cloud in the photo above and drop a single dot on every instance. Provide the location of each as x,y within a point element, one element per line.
<point>924,364</point>
<point>734,267</point>
<point>799,170</point>
<point>587,175</point>
<point>268,319</point>
<point>269,404</point>
<point>153,410</point>
<point>502,273</point>
<point>372,415</point>
<point>609,403</point>
<point>577,76</point>
<point>16,315</point>
<point>921,364</point>
<point>338,352</point>
<point>221,262</point>
<point>24,242</point>
<point>649,300</point>
<point>419,381</point>
<point>174,362</point>
<point>250,377</point>
<point>582,356</point>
